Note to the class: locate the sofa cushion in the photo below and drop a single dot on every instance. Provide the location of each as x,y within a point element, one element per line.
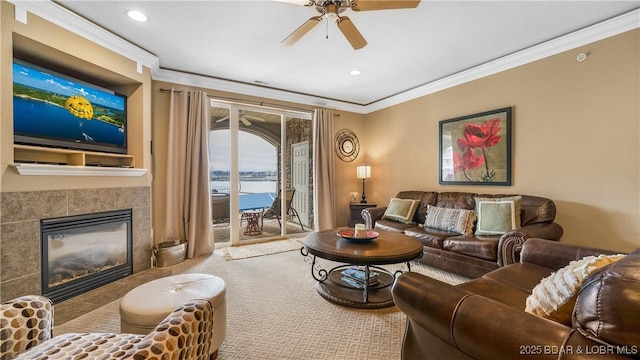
<point>509,285</point>
<point>392,225</point>
<point>607,306</point>
<point>497,215</point>
<point>536,210</point>
<point>428,236</point>
<point>456,200</point>
<point>457,220</point>
<point>401,210</point>
<point>554,297</point>
<point>486,248</point>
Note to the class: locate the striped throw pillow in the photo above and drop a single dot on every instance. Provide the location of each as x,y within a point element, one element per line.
<point>456,220</point>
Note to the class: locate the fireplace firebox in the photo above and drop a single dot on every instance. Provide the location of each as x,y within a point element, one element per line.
<point>83,252</point>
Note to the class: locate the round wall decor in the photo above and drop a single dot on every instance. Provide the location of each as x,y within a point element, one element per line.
<point>347,146</point>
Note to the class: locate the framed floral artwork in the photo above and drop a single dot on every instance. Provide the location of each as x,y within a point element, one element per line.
<point>476,149</point>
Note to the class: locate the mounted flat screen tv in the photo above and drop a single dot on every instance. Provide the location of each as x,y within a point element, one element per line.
<point>55,110</point>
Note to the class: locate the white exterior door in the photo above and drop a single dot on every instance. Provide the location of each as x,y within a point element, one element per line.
<point>300,180</point>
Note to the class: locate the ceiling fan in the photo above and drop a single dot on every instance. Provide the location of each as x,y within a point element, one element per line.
<point>336,7</point>
<point>244,118</point>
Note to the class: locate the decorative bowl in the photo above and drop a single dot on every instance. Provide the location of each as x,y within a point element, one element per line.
<point>350,234</point>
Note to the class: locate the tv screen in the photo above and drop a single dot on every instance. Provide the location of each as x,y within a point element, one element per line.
<point>51,109</point>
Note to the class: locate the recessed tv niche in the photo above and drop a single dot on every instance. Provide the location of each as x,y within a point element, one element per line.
<point>55,110</point>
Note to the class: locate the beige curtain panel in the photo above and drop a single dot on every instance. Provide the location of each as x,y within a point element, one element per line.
<point>324,204</point>
<point>188,212</point>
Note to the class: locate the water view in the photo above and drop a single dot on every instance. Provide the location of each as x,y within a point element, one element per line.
<point>246,186</point>
<point>39,118</point>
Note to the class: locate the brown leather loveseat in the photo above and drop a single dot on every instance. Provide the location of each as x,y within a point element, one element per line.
<point>469,255</point>
<point>485,318</point>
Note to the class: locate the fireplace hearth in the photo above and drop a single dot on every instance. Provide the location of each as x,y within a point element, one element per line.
<point>83,252</point>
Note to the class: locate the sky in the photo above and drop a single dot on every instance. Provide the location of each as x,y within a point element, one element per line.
<point>255,154</point>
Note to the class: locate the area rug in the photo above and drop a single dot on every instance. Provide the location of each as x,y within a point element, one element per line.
<point>274,312</point>
<point>261,249</point>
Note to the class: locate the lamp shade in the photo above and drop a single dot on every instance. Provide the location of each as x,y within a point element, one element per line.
<point>363,172</point>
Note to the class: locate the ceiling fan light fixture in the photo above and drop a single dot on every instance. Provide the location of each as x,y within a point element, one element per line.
<point>137,15</point>
<point>355,72</point>
<point>333,8</point>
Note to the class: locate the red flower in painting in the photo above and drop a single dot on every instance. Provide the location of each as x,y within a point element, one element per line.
<point>480,136</point>
<point>467,161</point>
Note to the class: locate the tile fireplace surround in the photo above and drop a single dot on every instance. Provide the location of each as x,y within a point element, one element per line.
<point>20,229</point>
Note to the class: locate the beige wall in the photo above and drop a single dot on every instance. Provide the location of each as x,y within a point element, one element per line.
<point>60,47</point>
<point>575,138</point>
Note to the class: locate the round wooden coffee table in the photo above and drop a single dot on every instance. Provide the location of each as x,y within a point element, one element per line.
<point>359,282</point>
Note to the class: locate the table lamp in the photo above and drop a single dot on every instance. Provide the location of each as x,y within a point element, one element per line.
<point>363,172</point>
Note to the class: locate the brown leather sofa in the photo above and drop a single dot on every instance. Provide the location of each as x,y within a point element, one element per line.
<point>470,255</point>
<point>485,318</point>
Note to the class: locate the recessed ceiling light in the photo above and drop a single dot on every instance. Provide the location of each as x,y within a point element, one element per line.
<point>137,15</point>
<point>355,72</point>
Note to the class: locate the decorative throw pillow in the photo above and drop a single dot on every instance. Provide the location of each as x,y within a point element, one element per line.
<point>456,220</point>
<point>554,297</point>
<point>401,210</point>
<point>496,216</point>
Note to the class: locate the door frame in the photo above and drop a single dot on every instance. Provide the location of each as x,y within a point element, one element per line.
<point>234,175</point>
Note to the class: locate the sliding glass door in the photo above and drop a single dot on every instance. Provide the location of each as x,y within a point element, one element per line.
<point>261,175</point>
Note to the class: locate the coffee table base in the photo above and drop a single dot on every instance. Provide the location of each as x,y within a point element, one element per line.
<point>345,287</point>
<point>376,296</point>
<point>352,298</point>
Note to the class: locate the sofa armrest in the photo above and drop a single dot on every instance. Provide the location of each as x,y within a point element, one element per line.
<point>371,215</point>
<point>510,244</point>
<point>31,314</point>
<point>185,333</point>
<point>480,327</point>
<point>550,231</point>
<point>510,247</point>
<point>555,255</point>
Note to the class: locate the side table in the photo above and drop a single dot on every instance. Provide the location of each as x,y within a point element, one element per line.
<point>354,212</point>
<point>253,222</point>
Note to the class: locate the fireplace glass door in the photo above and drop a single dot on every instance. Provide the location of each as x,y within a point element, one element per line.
<point>83,252</point>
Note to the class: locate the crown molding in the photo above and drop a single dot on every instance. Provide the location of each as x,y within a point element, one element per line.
<point>76,24</point>
<point>206,82</point>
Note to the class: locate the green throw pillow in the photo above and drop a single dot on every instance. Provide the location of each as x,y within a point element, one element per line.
<point>496,216</point>
<point>401,210</point>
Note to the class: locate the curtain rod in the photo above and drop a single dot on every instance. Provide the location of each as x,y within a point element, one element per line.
<point>251,102</point>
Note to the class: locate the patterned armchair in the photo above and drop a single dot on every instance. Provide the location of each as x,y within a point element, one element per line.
<point>26,325</point>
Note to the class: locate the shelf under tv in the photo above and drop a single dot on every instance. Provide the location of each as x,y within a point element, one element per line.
<point>34,160</point>
<point>75,170</point>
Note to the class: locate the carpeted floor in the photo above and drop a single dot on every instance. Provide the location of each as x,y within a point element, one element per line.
<point>274,312</point>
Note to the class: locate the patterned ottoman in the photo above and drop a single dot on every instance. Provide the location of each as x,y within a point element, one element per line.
<point>142,308</point>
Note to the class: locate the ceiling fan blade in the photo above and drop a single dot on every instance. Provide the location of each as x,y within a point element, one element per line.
<point>365,5</point>
<point>254,118</point>
<point>350,31</point>
<point>302,30</point>
<point>222,119</point>
<point>298,2</point>
<point>245,121</point>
